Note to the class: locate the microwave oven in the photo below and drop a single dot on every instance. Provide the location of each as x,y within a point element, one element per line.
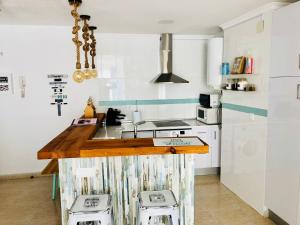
<point>209,100</point>
<point>208,115</point>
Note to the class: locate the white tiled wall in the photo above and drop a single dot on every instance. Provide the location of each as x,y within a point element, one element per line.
<point>242,40</point>
<point>129,63</point>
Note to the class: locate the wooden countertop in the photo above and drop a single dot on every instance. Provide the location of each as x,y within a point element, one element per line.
<point>76,142</point>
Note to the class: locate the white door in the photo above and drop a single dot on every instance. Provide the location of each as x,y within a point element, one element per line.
<point>285,44</point>
<point>283,154</point>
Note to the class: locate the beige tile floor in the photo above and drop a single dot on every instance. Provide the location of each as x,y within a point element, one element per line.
<point>217,205</point>
<point>27,202</point>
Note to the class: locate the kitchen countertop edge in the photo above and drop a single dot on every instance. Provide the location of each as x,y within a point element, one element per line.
<point>75,142</point>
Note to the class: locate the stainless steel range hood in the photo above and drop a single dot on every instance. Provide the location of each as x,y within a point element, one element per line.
<point>166,62</point>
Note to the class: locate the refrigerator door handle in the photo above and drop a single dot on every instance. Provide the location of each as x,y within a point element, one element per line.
<point>298,91</point>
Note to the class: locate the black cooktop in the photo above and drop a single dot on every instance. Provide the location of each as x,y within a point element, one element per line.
<point>170,123</point>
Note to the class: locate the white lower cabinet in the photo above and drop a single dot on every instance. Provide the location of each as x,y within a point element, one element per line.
<point>211,135</point>
<point>140,134</point>
<point>215,146</point>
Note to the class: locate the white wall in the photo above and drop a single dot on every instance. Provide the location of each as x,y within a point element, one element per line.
<point>244,135</point>
<point>242,40</point>
<point>28,124</point>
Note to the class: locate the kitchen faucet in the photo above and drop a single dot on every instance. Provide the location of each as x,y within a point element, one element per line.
<point>136,127</point>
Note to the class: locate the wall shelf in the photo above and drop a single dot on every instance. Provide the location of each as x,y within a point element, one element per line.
<point>238,91</point>
<point>238,76</point>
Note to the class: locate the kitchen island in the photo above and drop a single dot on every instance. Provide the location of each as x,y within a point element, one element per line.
<point>122,168</point>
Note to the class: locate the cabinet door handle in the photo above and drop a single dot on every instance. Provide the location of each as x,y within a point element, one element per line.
<point>215,135</point>
<point>298,91</point>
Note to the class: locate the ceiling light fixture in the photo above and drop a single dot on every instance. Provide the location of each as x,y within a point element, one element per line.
<point>93,51</point>
<point>80,75</point>
<point>86,46</point>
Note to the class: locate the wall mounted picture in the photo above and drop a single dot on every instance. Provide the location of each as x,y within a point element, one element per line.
<point>58,83</point>
<point>6,84</point>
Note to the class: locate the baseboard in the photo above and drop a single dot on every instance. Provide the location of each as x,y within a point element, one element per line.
<point>276,219</point>
<point>207,171</point>
<point>20,176</point>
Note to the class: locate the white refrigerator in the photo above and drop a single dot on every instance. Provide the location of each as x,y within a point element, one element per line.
<point>283,153</point>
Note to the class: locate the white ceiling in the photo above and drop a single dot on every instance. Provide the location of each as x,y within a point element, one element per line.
<point>131,16</point>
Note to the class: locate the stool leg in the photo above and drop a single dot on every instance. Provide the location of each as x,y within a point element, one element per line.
<point>112,222</point>
<point>144,221</point>
<point>138,219</point>
<point>53,195</point>
<point>72,220</point>
<point>175,218</point>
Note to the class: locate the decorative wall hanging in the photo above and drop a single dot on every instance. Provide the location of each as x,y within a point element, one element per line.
<point>6,84</point>
<point>86,46</point>
<point>93,51</point>
<point>58,84</point>
<point>78,75</point>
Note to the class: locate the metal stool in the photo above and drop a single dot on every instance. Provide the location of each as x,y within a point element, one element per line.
<point>88,208</point>
<point>157,203</point>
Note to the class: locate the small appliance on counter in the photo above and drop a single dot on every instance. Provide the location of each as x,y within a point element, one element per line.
<point>209,100</point>
<point>208,115</point>
<point>136,115</point>
<point>209,111</point>
<point>113,117</point>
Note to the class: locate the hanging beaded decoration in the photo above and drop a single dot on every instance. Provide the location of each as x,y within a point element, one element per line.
<point>78,75</point>
<point>93,51</point>
<point>86,46</point>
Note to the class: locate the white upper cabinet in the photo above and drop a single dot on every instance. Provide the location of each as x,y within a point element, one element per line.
<point>214,62</point>
<point>285,47</point>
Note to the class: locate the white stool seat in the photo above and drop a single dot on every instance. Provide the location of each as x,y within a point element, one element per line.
<point>91,208</point>
<point>155,204</point>
<point>91,203</point>
<point>163,198</point>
